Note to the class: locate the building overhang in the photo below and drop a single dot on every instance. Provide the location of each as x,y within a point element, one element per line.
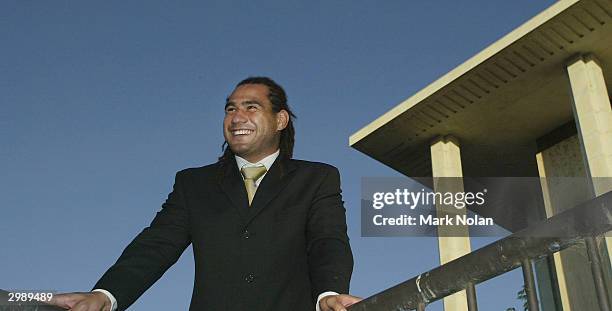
<point>499,102</point>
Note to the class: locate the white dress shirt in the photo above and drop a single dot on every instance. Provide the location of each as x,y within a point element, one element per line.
<point>240,162</point>
<point>267,162</point>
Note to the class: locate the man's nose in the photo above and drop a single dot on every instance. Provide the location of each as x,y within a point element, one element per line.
<point>239,116</point>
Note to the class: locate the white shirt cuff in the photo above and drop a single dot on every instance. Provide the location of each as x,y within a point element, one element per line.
<point>321,296</point>
<point>109,296</point>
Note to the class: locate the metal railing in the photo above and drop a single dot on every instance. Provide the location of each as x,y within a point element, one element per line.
<point>580,224</point>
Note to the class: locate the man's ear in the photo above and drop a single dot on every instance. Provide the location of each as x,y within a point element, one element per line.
<point>282,119</point>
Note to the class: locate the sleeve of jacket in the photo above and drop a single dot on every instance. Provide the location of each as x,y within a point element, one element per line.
<point>152,252</point>
<point>330,259</point>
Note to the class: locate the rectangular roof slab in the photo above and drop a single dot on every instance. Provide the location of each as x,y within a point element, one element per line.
<point>500,101</point>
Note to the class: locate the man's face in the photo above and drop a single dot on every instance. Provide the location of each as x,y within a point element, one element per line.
<point>251,128</point>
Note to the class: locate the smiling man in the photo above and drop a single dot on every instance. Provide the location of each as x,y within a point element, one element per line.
<point>251,122</point>
<point>268,231</point>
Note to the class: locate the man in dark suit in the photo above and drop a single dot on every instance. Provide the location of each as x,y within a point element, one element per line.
<point>268,231</point>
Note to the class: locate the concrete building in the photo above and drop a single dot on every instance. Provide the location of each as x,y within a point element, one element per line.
<point>533,104</point>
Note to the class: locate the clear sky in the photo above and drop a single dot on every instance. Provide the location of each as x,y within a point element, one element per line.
<point>102,102</point>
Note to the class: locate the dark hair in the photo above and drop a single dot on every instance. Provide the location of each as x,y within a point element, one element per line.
<point>278,98</point>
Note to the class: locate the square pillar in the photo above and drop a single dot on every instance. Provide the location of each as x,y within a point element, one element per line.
<point>453,241</point>
<point>593,117</point>
<point>563,186</point>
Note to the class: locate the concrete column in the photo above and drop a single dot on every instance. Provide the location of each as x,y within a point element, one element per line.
<point>563,186</point>
<point>593,116</point>
<point>453,241</point>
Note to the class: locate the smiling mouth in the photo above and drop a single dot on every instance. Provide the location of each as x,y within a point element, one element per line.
<point>241,132</point>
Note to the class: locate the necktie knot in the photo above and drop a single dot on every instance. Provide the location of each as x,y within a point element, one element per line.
<point>253,172</point>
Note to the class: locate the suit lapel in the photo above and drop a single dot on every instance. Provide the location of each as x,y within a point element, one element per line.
<point>233,185</point>
<point>271,185</point>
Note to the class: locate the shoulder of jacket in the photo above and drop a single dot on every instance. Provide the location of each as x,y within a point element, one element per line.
<point>313,165</point>
<point>200,170</point>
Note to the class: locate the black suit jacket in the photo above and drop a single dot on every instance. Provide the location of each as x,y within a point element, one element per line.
<point>279,254</point>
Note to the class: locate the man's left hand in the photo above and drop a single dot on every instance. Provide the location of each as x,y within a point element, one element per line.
<point>337,302</point>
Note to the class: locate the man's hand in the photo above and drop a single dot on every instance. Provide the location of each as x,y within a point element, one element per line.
<point>337,302</point>
<point>94,301</point>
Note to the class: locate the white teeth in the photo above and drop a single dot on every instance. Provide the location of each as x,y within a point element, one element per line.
<point>242,132</point>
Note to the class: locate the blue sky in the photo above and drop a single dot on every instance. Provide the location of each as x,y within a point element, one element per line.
<point>102,102</point>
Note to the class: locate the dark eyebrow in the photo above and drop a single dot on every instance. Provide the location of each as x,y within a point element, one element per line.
<point>244,103</point>
<point>251,102</point>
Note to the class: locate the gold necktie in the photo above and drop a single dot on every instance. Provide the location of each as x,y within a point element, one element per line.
<point>251,174</point>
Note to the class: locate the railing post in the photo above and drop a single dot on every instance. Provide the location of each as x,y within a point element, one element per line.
<point>530,290</point>
<point>470,290</point>
<point>596,270</point>
<point>421,306</point>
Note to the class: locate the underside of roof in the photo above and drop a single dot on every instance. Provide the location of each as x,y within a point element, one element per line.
<point>499,102</point>
<point>503,105</point>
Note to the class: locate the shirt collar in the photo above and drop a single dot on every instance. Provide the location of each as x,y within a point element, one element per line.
<point>267,161</point>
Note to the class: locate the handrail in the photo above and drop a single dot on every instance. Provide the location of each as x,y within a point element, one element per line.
<point>576,225</point>
<point>573,226</point>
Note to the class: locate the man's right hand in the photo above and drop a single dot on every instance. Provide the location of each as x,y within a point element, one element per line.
<point>94,301</point>
<point>338,302</point>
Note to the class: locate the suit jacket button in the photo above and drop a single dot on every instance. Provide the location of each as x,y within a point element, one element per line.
<point>246,234</point>
<point>249,278</point>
